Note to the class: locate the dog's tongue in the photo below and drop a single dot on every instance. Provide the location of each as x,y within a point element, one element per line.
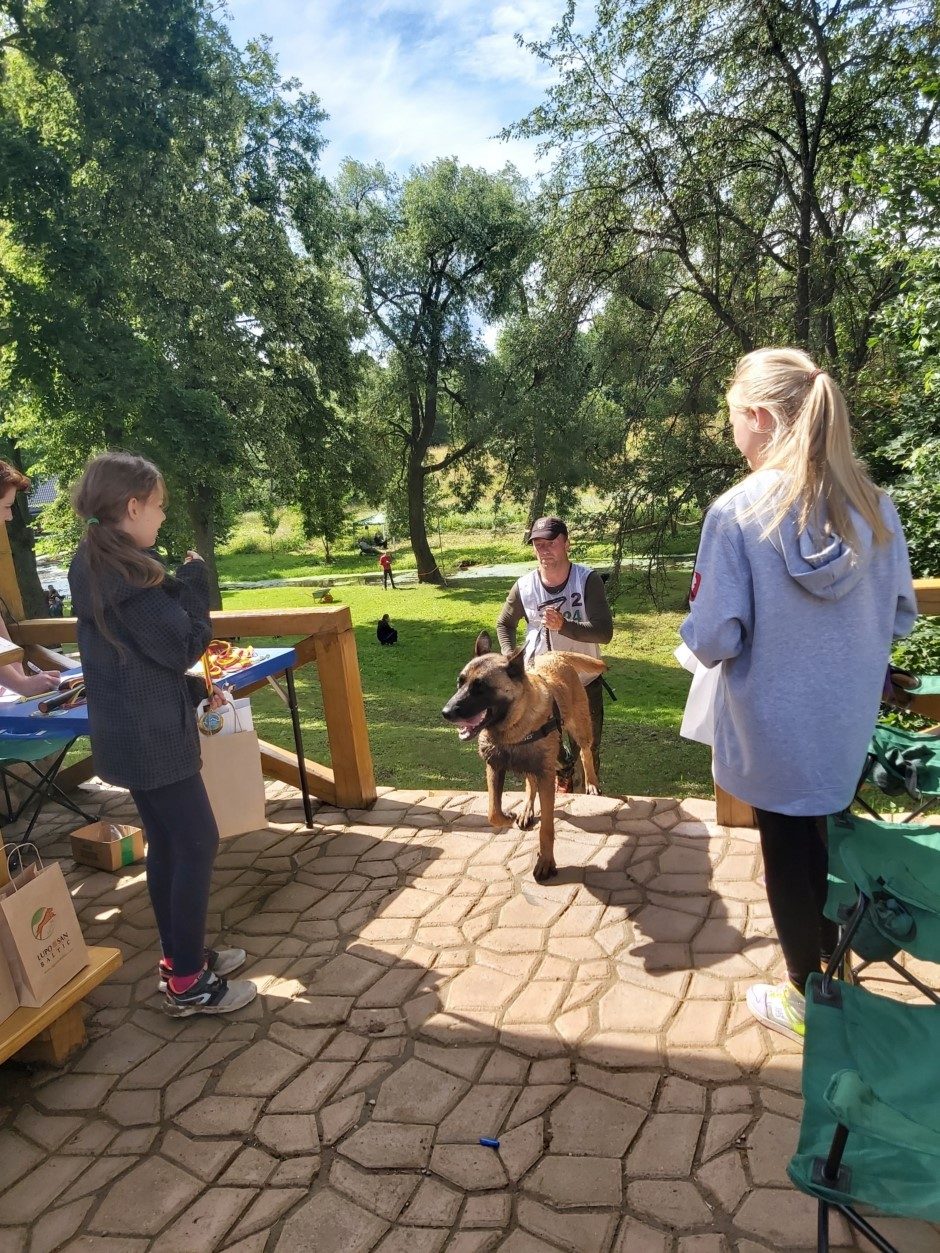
<point>467,726</point>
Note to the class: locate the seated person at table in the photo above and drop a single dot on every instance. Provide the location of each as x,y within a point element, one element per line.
<point>385,631</point>
<point>14,681</point>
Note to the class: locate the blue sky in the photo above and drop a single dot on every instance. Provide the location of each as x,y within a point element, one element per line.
<point>405,81</point>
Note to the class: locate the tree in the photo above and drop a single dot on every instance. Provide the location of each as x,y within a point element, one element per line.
<point>166,282</point>
<point>435,256</point>
<point>724,138</point>
<point>560,427</point>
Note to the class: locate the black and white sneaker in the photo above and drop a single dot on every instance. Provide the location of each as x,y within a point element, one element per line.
<point>221,961</point>
<point>210,995</point>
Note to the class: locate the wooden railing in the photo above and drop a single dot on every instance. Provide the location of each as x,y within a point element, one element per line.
<point>321,636</point>
<point>734,813</point>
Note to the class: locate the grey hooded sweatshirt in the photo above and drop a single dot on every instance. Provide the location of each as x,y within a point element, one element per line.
<point>802,626</point>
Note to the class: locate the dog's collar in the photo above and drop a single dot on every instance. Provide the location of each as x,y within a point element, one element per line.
<point>553,724</point>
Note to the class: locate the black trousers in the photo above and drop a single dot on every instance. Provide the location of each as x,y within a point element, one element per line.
<point>796,866</point>
<point>182,841</point>
<point>387,577</point>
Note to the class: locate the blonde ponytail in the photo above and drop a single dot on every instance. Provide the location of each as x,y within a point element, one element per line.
<point>810,443</point>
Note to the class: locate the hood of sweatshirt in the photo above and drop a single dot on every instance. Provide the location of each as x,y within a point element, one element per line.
<point>818,560</point>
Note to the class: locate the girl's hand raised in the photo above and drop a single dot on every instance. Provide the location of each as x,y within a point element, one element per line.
<point>191,555</point>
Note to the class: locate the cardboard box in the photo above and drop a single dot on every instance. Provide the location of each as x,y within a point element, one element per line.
<point>108,845</point>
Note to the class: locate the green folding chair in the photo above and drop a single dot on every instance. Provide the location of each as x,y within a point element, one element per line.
<point>864,855</point>
<point>903,763</point>
<point>870,1133</point>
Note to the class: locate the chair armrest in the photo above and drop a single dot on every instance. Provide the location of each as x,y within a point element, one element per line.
<point>854,1104</point>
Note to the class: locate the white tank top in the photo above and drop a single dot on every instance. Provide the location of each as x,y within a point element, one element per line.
<point>570,603</point>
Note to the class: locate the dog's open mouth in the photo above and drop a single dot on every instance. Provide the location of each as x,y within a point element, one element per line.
<point>467,728</point>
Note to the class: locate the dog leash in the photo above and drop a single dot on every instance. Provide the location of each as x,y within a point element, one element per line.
<point>554,724</point>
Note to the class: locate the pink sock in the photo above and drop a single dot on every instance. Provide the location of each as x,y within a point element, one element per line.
<point>182,983</point>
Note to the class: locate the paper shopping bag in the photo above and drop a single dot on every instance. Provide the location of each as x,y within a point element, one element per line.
<point>231,771</point>
<point>39,933</point>
<point>8,998</point>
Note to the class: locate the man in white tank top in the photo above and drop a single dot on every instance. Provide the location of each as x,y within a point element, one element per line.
<point>565,610</point>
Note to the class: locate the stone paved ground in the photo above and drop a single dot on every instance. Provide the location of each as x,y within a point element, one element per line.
<point>418,990</point>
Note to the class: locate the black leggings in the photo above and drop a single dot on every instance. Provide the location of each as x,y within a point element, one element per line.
<point>796,865</point>
<point>182,841</point>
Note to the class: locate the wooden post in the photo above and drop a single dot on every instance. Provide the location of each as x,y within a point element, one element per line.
<point>731,812</point>
<point>345,715</point>
<point>9,587</point>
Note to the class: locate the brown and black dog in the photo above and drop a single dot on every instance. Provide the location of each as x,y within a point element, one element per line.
<point>514,711</point>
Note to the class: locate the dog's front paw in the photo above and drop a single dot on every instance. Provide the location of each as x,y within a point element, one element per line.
<point>500,821</point>
<point>525,819</point>
<point>545,868</point>
<point>591,789</point>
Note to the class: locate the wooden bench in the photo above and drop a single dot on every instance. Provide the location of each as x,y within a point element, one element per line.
<point>732,812</point>
<point>54,1030</point>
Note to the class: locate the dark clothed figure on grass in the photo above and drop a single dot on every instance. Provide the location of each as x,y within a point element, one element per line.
<point>385,632</point>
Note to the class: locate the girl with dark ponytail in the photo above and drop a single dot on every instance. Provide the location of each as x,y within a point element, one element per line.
<point>139,630</point>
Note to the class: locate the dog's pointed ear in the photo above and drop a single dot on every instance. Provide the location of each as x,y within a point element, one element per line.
<point>483,645</point>
<point>515,663</point>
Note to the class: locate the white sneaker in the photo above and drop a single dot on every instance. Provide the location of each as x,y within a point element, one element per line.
<point>780,1007</point>
<point>221,961</point>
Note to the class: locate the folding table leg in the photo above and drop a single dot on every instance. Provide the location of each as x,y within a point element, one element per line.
<point>298,744</point>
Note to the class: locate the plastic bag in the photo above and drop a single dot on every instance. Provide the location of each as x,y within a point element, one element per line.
<point>698,719</point>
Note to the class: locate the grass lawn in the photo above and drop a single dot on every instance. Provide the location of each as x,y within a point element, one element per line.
<point>251,555</point>
<point>406,686</point>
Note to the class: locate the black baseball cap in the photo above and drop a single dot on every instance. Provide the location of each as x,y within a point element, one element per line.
<point>547,528</point>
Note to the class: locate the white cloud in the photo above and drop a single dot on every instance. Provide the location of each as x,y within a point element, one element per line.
<point>405,82</point>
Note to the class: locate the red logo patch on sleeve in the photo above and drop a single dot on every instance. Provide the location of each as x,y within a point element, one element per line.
<point>696,584</point>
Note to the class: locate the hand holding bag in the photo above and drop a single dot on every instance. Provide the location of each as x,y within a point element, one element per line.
<point>698,720</point>
<point>39,932</point>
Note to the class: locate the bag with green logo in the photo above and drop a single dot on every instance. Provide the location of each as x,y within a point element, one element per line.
<point>39,932</point>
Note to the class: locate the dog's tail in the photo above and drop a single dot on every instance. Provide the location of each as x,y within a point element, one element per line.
<point>583,663</point>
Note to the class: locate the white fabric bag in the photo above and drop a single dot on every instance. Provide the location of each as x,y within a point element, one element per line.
<point>698,720</point>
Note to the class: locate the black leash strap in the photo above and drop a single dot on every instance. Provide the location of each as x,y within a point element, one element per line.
<point>553,724</point>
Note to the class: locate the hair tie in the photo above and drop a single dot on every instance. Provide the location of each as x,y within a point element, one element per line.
<point>92,522</point>
<point>814,375</point>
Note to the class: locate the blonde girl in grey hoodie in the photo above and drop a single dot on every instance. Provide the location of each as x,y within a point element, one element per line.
<point>801,583</point>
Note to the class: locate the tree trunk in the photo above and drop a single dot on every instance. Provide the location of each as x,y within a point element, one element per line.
<point>23,548</point>
<point>202,516</point>
<point>328,556</point>
<point>536,505</point>
<point>428,571</point>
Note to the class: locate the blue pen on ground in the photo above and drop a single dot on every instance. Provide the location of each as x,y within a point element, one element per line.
<point>488,1143</point>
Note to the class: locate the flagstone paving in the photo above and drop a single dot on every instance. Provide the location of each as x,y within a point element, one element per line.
<point>419,991</point>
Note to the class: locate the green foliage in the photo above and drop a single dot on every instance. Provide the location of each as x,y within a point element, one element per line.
<point>433,256</point>
<point>165,274</point>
